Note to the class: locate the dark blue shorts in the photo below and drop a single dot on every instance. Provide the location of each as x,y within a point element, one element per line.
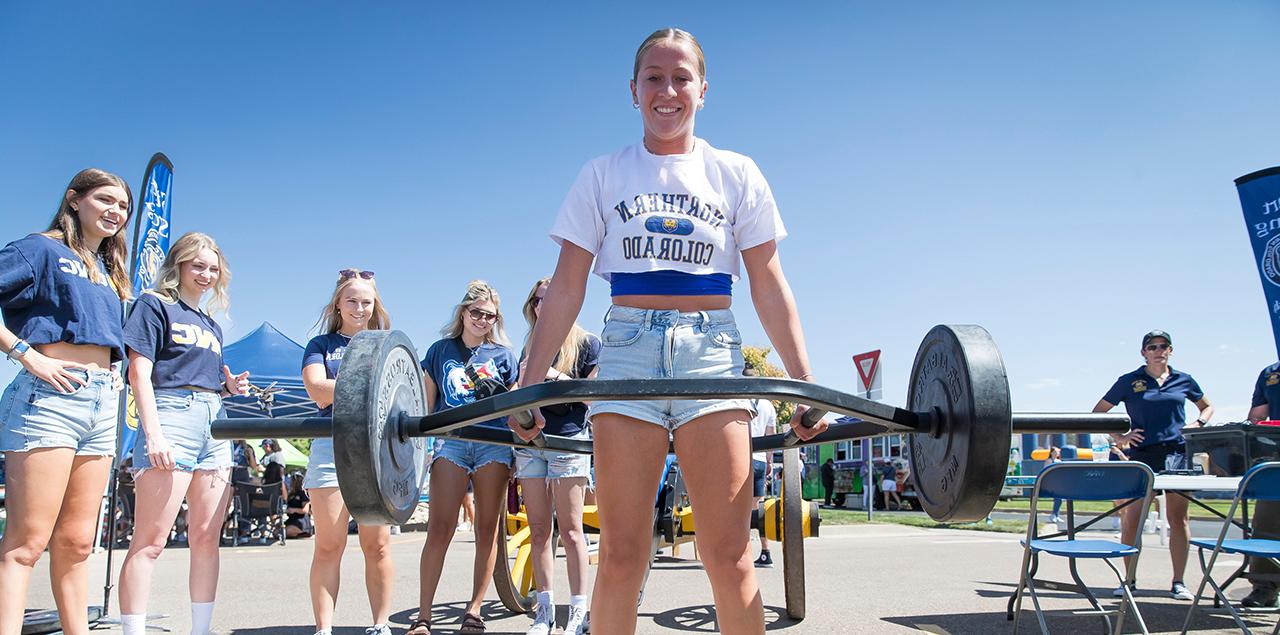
<point>1161,456</point>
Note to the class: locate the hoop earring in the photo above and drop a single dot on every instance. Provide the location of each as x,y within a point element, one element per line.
<point>635,105</point>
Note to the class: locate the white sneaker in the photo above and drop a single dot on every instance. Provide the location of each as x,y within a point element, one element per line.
<point>1119,591</point>
<point>577,624</point>
<point>1057,520</point>
<point>378,629</point>
<point>543,620</point>
<point>1180,592</point>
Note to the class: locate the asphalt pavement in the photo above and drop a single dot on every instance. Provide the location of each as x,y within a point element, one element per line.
<point>870,578</point>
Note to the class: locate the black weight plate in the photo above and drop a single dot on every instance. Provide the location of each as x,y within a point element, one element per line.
<point>958,472</point>
<point>792,534</point>
<point>379,473</point>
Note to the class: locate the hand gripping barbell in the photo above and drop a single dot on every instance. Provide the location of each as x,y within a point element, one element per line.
<point>958,425</point>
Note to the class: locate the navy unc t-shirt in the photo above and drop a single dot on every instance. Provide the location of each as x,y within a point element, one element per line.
<point>47,296</point>
<point>1267,391</point>
<point>446,362</point>
<point>568,419</point>
<point>326,349</point>
<point>184,343</point>
<point>1156,410</point>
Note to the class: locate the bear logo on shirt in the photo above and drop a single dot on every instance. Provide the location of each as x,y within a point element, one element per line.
<point>1140,385</point>
<point>669,225</point>
<point>458,389</point>
<point>1273,379</point>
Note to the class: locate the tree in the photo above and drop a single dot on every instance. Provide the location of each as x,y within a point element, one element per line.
<point>758,358</point>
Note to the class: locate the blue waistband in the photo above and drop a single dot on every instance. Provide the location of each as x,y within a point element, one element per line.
<point>667,282</point>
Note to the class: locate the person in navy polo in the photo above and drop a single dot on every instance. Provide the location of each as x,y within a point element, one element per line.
<point>1153,396</point>
<point>1266,514</point>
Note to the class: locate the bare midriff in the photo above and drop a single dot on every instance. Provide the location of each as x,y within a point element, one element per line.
<point>97,357</point>
<point>682,303</point>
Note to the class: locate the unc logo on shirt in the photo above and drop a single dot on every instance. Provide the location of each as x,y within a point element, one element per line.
<point>458,389</point>
<point>668,225</point>
<point>1273,379</point>
<point>1140,385</point>
<point>77,268</point>
<point>192,335</point>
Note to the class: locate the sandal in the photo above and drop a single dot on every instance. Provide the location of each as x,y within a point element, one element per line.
<point>419,627</point>
<point>472,623</point>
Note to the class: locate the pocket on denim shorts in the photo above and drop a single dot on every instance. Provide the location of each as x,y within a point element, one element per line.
<point>726,337</point>
<point>621,333</point>
<point>41,388</point>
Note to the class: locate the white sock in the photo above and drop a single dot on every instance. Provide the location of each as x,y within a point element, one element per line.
<point>577,600</point>
<point>133,624</point>
<point>201,617</point>
<point>546,598</point>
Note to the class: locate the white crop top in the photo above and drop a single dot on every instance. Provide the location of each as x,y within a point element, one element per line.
<point>636,211</point>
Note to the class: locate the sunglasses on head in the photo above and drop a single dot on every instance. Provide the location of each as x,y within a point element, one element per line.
<point>481,315</point>
<point>1156,347</point>
<point>347,274</point>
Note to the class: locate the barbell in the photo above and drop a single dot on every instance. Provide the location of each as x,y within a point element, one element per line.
<point>958,425</point>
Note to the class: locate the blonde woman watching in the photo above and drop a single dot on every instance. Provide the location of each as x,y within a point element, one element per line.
<point>474,345</point>
<point>179,380</point>
<point>554,482</point>
<point>354,307</point>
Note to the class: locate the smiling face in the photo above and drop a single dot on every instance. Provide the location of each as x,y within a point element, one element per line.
<point>668,90</point>
<point>478,318</point>
<point>201,273</point>
<point>102,211</point>
<point>356,305</point>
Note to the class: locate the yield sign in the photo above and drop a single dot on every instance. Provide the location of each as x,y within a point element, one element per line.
<point>867,364</point>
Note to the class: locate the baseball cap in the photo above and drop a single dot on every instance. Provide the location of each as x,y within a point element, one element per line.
<point>1154,334</point>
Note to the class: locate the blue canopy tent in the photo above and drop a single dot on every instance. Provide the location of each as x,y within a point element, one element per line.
<point>274,362</point>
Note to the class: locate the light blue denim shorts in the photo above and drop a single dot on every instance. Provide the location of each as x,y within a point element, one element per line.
<point>649,344</point>
<point>551,464</point>
<point>33,414</point>
<point>185,418</point>
<point>320,469</point>
<point>470,455</point>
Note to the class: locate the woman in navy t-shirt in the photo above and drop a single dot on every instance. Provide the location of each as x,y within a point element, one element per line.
<point>1153,396</point>
<point>474,349</point>
<point>553,481</point>
<point>179,379</point>
<point>354,307</point>
<point>61,292</point>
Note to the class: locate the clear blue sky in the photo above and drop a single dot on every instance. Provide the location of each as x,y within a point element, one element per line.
<point>1061,174</point>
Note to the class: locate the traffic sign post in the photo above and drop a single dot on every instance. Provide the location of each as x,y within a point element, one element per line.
<point>868,370</point>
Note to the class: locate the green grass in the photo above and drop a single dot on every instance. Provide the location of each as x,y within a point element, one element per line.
<point>858,517</point>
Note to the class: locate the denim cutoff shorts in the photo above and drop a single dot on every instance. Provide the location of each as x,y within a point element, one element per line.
<point>650,344</point>
<point>470,455</point>
<point>34,415</point>
<point>551,464</point>
<point>185,419</point>
<point>320,469</point>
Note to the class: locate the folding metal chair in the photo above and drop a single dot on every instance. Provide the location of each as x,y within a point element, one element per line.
<point>1261,482</point>
<point>257,509</point>
<point>1085,481</point>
